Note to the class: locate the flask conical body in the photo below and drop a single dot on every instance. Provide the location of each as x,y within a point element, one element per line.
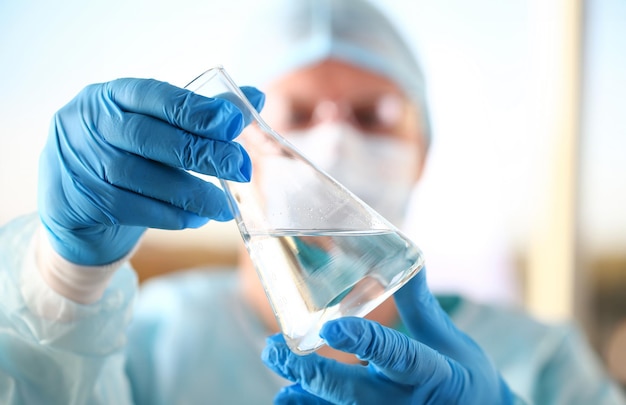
<point>321,253</point>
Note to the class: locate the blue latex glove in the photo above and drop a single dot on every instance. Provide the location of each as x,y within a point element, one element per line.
<point>115,163</point>
<point>440,365</point>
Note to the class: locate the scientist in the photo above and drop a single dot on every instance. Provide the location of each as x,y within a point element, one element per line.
<point>346,89</point>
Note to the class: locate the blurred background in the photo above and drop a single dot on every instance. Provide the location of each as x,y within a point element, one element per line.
<point>524,193</point>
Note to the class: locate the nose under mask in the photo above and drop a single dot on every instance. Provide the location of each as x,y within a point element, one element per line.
<point>378,169</point>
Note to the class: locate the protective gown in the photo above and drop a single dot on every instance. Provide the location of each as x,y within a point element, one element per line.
<point>189,338</point>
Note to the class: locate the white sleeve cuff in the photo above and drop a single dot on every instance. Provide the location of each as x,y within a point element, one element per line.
<point>82,284</point>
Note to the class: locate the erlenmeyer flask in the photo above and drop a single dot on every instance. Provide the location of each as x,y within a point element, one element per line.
<point>321,253</point>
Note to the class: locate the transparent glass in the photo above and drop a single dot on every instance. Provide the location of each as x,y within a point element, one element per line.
<point>321,253</point>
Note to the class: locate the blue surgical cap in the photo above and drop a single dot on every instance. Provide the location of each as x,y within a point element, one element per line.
<point>286,35</point>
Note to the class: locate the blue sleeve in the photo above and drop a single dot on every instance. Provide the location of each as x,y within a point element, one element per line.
<point>59,352</point>
<point>579,374</point>
<point>544,364</point>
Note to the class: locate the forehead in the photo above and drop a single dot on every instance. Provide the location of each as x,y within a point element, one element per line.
<point>330,79</point>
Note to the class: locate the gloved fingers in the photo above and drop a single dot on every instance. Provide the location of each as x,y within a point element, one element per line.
<point>156,140</point>
<point>429,323</point>
<point>254,96</point>
<point>395,355</point>
<point>96,215</point>
<point>213,118</point>
<point>296,395</point>
<point>328,379</point>
<point>159,182</point>
<point>117,206</point>
<point>141,211</point>
<point>90,244</point>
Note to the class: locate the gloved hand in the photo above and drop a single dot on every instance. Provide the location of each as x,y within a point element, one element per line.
<point>440,365</point>
<point>115,163</point>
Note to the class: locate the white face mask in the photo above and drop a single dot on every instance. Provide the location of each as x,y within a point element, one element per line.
<point>378,169</point>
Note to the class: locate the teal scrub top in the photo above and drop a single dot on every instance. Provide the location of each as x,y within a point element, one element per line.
<point>190,339</point>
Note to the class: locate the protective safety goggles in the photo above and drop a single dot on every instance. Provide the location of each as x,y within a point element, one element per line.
<point>377,114</point>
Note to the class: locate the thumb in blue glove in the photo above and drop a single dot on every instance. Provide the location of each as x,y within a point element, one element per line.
<point>441,366</point>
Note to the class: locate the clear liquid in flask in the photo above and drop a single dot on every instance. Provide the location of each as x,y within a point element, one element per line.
<point>311,277</point>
